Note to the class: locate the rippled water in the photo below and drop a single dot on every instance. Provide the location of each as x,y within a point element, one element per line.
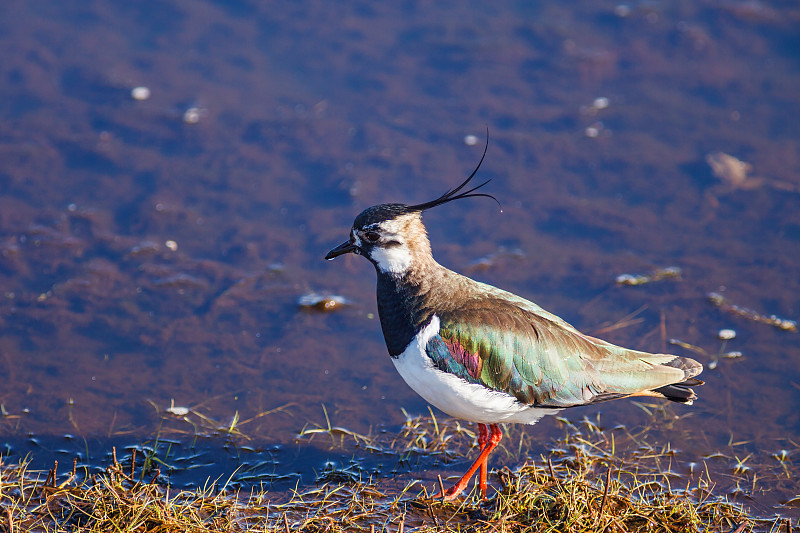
<point>155,252</point>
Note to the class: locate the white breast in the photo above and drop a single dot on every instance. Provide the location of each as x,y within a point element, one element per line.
<point>455,396</point>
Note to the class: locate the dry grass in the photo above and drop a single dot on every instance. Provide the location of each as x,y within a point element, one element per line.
<point>583,486</point>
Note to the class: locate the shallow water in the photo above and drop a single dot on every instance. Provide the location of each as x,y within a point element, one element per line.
<point>152,257</point>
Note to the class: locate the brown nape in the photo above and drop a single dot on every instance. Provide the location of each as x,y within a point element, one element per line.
<point>416,237</point>
<point>441,285</point>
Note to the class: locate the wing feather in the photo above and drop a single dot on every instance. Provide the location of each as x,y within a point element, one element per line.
<point>509,344</point>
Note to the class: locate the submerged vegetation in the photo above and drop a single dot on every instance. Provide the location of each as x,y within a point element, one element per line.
<point>584,484</point>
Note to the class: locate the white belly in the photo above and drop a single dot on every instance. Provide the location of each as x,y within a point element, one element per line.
<point>455,396</point>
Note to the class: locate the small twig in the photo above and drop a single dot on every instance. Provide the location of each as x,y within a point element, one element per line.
<point>433,516</point>
<point>403,520</point>
<point>133,462</point>
<point>158,473</point>
<point>71,477</point>
<point>49,477</point>
<point>10,521</point>
<point>788,525</point>
<point>605,495</point>
<point>740,528</point>
<point>55,472</point>
<point>506,477</point>
<point>114,457</point>
<point>441,486</point>
<point>286,523</point>
<point>49,482</point>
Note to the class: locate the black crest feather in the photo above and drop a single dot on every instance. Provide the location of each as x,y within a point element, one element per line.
<point>454,194</point>
<point>379,213</point>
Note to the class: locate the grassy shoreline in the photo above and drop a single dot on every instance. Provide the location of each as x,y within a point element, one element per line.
<point>584,484</point>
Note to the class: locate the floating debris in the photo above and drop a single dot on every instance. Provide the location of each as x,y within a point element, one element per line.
<point>598,104</point>
<point>728,169</point>
<point>140,93</point>
<point>657,275</point>
<point>322,302</point>
<point>470,140</point>
<point>594,130</point>
<point>714,358</point>
<point>781,323</point>
<point>735,174</point>
<point>176,410</point>
<point>193,115</point>
<point>172,245</point>
<point>601,102</point>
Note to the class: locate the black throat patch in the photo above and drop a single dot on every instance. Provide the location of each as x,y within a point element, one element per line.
<point>401,311</point>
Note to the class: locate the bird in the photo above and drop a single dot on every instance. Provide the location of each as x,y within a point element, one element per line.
<point>485,355</point>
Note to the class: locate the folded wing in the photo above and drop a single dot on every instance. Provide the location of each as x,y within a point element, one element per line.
<point>515,347</point>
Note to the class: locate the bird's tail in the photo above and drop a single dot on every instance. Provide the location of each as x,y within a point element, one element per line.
<point>681,392</point>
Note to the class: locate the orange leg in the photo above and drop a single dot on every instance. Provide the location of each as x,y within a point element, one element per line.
<point>483,438</point>
<point>480,462</point>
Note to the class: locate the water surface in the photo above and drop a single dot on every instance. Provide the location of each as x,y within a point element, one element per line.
<point>153,252</point>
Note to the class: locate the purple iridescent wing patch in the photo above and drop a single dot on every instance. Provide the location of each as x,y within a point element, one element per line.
<point>470,361</point>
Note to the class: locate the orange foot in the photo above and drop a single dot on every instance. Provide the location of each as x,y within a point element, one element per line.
<point>487,443</point>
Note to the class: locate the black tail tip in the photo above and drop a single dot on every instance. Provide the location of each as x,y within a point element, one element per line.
<point>679,392</point>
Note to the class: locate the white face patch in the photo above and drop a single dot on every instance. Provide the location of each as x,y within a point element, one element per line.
<point>392,260</point>
<point>391,254</point>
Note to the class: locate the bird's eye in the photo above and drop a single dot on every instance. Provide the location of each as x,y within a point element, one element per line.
<point>371,236</point>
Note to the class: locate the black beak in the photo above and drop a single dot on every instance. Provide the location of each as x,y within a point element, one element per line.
<point>346,247</point>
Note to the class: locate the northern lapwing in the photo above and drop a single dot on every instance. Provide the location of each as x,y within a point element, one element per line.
<point>485,355</point>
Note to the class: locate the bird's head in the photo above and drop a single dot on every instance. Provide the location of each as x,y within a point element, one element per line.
<point>392,236</point>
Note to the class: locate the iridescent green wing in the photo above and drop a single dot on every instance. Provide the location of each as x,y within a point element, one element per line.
<point>539,358</point>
